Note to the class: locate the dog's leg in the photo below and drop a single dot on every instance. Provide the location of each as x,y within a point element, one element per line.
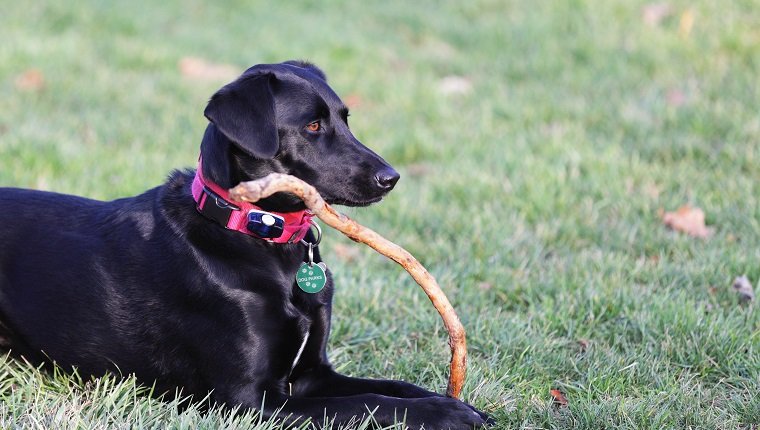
<point>436,412</point>
<point>324,381</point>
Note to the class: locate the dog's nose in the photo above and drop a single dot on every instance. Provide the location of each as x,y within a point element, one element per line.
<point>387,178</point>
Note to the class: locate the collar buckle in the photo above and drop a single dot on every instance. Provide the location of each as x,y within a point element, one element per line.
<point>214,207</point>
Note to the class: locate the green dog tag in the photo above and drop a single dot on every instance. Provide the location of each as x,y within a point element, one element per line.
<point>311,279</point>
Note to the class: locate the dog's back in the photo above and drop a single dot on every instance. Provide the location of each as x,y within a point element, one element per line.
<point>58,272</point>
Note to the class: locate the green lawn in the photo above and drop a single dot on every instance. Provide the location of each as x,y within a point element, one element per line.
<point>532,195</point>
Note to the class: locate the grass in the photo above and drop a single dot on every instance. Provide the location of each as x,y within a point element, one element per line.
<point>533,198</point>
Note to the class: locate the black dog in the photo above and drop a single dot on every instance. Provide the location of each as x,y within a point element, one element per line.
<point>163,286</point>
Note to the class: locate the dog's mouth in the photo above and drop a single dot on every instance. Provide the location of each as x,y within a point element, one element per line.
<point>353,203</point>
<point>359,191</point>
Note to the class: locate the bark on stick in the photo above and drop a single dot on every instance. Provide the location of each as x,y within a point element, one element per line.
<point>253,191</point>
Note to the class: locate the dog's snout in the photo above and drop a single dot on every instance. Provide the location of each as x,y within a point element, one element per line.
<point>387,178</point>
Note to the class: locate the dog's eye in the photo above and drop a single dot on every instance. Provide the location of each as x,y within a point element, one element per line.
<point>314,126</point>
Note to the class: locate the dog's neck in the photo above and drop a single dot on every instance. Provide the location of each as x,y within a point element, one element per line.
<point>226,165</point>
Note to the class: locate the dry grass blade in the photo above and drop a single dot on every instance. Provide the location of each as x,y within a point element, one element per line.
<point>256,190</point>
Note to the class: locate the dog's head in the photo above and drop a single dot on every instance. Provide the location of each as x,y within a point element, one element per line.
<point>285,118</point>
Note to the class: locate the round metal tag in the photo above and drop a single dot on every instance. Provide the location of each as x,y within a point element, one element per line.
<point>311,279</point>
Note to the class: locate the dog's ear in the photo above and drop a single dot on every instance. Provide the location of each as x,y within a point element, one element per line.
<point>244,112</point>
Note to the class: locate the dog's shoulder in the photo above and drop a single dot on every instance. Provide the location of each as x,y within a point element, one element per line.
<point>174,198</point>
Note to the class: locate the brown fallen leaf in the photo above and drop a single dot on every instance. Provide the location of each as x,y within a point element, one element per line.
<point>689,220</point>
<point>743,286</point>
<point>485,286</point>
<point>353,100</point>
<point>675,97</point>
<point>30,80</point>
<point>653,13</point>
<point>454,86</point>
<point>584,344</point>
<point>201,70</point>
<point>558,397</point>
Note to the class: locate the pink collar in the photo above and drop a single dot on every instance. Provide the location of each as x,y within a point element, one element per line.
<point>213,202</point>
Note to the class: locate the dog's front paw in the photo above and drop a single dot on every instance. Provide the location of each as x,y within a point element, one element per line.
<point>445,413</point>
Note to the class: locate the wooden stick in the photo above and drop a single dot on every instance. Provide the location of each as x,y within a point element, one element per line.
<point>253,191</point>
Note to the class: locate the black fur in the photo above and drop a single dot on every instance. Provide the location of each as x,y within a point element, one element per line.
<point>146,285</point>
